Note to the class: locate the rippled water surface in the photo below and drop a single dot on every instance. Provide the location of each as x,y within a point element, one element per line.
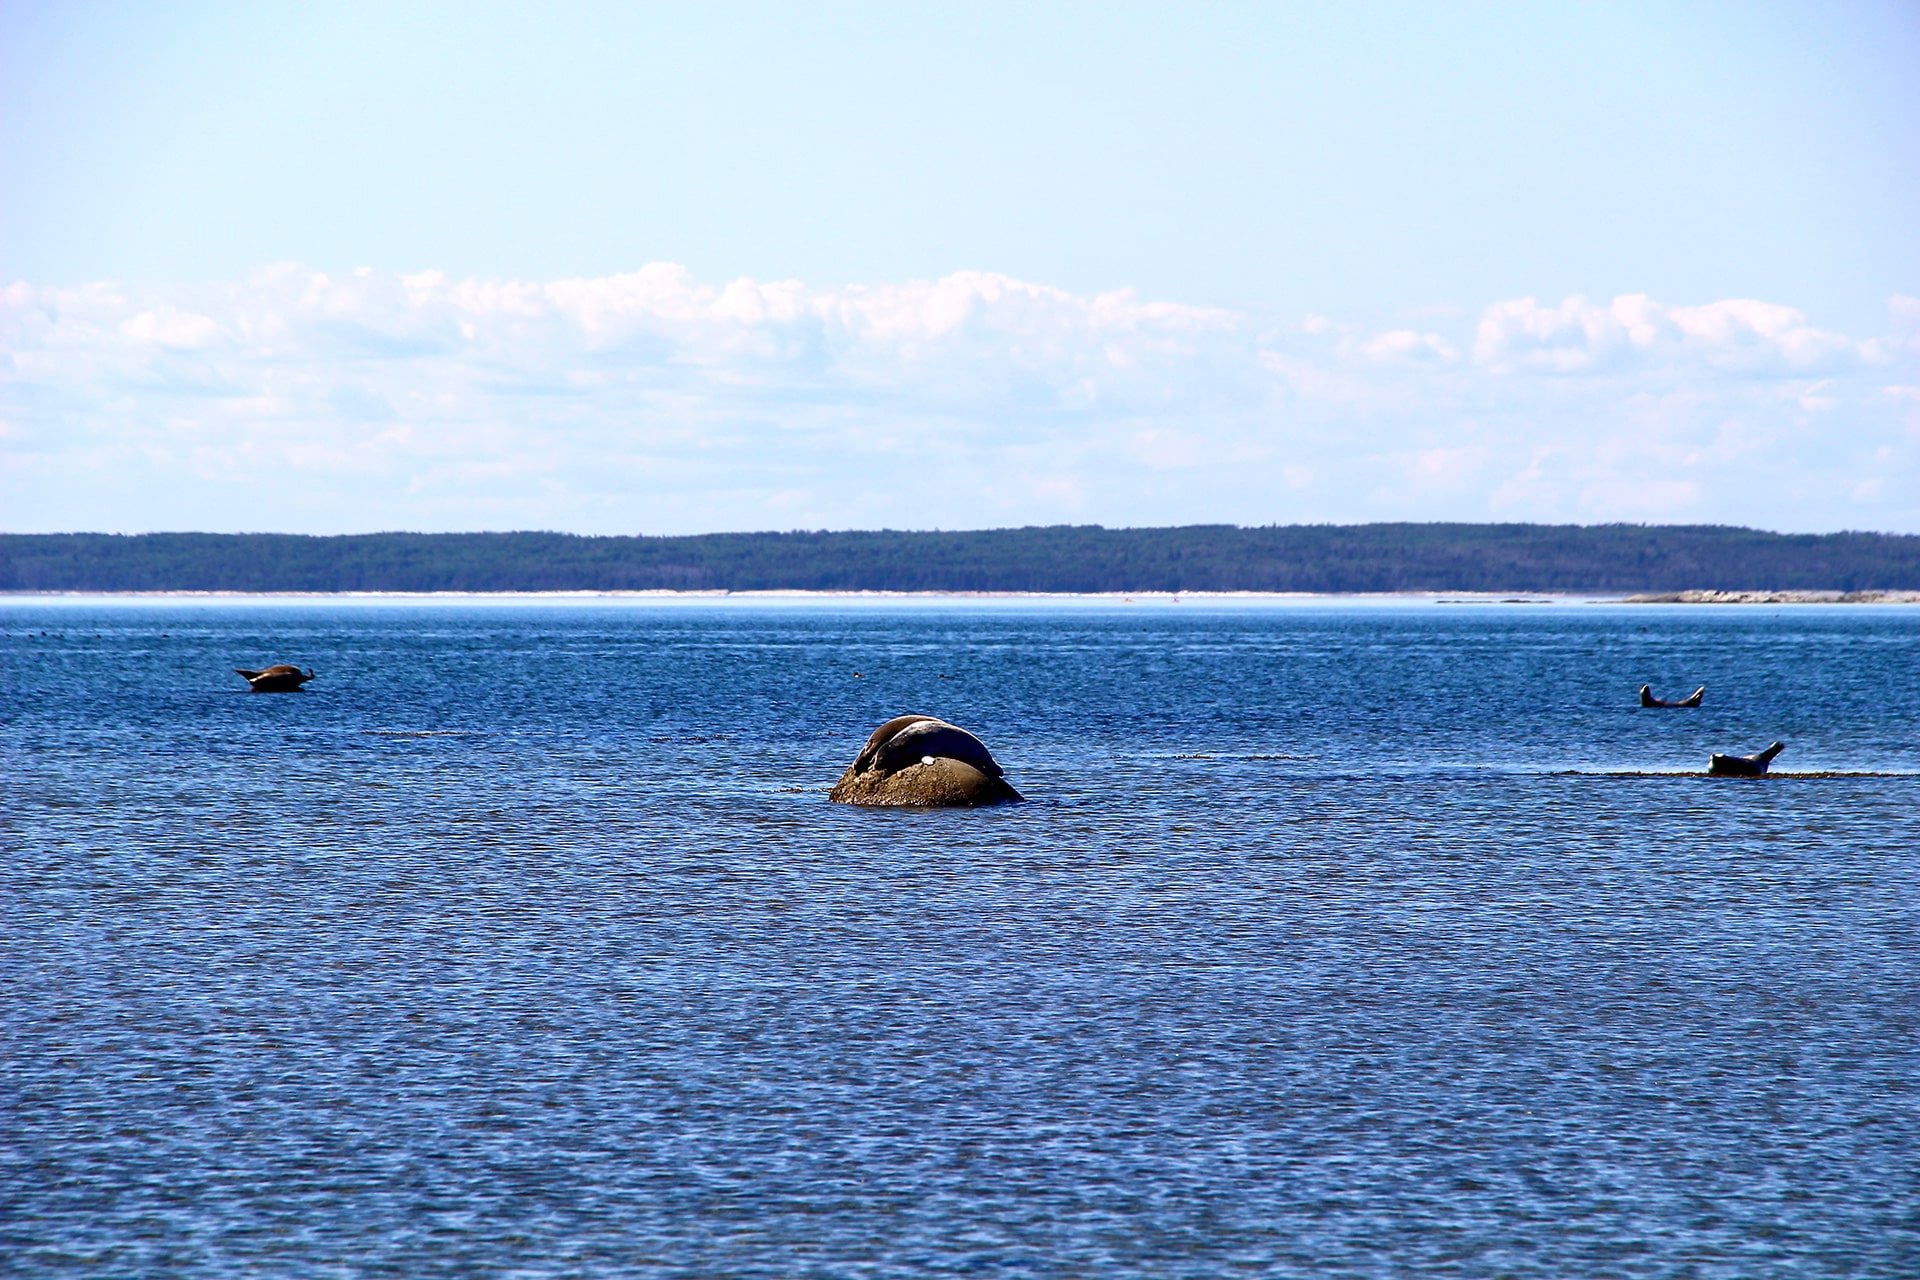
<point>1335,939</point>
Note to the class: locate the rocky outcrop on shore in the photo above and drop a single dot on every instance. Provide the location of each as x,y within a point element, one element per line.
<point>1778,597</point>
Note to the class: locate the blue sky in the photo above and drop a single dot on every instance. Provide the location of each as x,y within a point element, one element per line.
<point>613,268</point>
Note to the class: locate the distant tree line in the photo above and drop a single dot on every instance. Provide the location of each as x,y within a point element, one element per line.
<point>1370,557</point>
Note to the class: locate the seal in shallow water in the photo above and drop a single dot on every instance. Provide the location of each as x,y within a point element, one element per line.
<point>920,762</point>
<point>1753,766</point>
<point>280,678</point>
<point>1691,700</point>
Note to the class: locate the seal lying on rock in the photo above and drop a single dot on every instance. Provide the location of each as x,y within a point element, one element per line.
<point>921,762</point>
<point>1753,766</point>
<point>276,679</point>
<point>1691,700</point>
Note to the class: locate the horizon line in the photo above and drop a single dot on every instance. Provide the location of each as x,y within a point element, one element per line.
<point>1022,528</point>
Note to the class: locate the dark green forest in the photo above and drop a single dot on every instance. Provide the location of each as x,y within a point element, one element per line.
<point>1370,557</point>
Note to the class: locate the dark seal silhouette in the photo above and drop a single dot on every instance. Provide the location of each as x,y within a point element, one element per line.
<point>1753,766</point>
<point>275,679</point>
<point>923,763</point>
<point>1691,700</point>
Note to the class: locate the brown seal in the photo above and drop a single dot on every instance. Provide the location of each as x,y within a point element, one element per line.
<point>1753,766</point>
<point>1691,700</point>
<point>920,762</point>
<point>275,679</point>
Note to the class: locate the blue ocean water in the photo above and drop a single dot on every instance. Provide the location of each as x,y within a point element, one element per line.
<point>1336,939</point>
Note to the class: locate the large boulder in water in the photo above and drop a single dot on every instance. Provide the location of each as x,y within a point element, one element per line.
<point>922,763</point>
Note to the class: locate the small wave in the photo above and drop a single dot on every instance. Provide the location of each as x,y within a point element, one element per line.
<point>1233,755</point>
<point>1702,773</point>
<point>422,733</point>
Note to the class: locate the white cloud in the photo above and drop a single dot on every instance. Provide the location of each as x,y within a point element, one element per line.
<point>1404,346</point>
<point>652,401</point>
<point>171,327</point>
<point>1578,336</point>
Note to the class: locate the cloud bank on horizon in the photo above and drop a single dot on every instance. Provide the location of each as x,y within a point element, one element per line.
<point>653,402</point>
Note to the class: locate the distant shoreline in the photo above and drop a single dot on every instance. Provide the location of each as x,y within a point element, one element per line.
<point>666,595</point>
<point>1723,565</point>
<point>800,593</point>
<point>1776,597</point>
